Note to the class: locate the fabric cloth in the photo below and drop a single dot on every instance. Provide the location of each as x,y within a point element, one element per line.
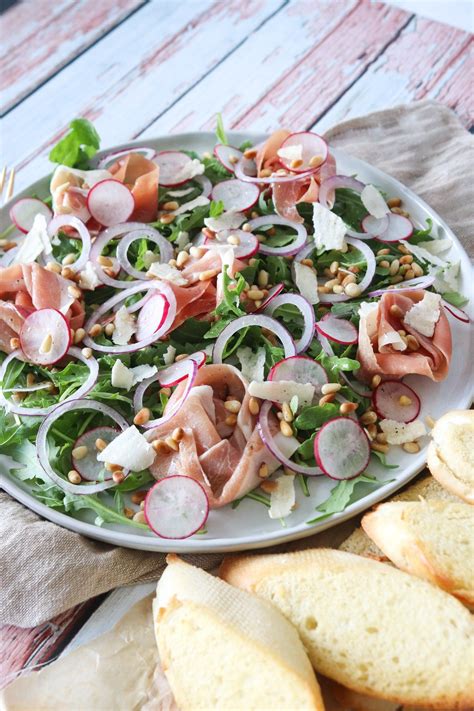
<point>46,569</point>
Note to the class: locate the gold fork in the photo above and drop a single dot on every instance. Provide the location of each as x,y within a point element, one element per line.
<point>10,183</point>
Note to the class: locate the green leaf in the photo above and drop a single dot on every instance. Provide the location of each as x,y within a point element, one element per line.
<point>348,205</point>
<point>313,417</point>
<point>342,495</point>
<point>230,304</point>
<point>278,269</point>
<point>220,132</point>
<point>334,364</point>
<point>77,146</point>
<point>455,298</point>
<point>216,208</point>
<point>383,460</point>
<point>74,503</point>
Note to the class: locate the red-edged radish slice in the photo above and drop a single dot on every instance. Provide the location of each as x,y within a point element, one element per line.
<point>176,507</point>
<point>399,228</point>
<point>375,226</point>
<point>305,146</point>
<point>45,337</point>
<point>393,400</point>
<point>111,158</point>
<point>110,202</point>
<point>273,292</point>
<point>24,211</point>
<point>175,373</point>
<point>342,449</point>
<point>236,195</point>
<point>301,369</point>
<point>337,329</point>
<point>247,242</point>
<point>173,166</point>
<point>151,316</point>
<point>455,311</point>
<point>228,156</point>
<point>87,464</point>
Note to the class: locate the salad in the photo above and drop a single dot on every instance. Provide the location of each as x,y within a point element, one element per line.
<point>180,331</point>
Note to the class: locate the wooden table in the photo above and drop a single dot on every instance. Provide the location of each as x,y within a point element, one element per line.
<point>141,69</point>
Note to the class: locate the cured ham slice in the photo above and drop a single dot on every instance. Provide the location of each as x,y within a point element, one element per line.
<point>224,460</point>
<point>379,326</point>
<point>267,155</point>
<point>26,287</point>
<point>141,176</point>
<point>193,301</point>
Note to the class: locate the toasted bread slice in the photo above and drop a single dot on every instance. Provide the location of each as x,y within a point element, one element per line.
<point>431,539</point>
<point>222,648</point>
<point>451,453</point>
<point>369,626</point>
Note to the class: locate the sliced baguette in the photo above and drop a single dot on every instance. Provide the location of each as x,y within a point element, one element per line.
<point>451,453</point>
<point>369,626</point>
<point>222,648</point>
<point>433,540</point>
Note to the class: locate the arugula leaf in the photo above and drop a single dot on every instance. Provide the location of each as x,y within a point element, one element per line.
<point>383,460</point>
<point>334,364</point>
<point>312,417</point>
<point>220,132</point>
<point>73,503</point>
<point>348,205</point>
<point>216,208</point>
<point>230,303</point>
<point>342,495</point>
<point>214,170</point>
<point>278,269</point>
<point>78,146</point>
<point>455,298</point>
<point>421,235</point>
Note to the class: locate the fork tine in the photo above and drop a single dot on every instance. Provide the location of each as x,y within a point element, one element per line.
<point>11,185</point>
<point>2,178</point>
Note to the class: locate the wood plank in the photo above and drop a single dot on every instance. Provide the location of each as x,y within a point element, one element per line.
<point>132,75</point>
<point>279,45</point>
<point>37,41</point>
<point>421,63</point>
<point>20,648</point>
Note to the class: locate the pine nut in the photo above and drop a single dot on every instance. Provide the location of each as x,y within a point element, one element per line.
<point>396,311</point>
<point>67,273</point>
<point>307,262</point>
<point>382,448</point>
<point>181,356</point>
<point>268,486</point>
<point>74,477</point>
<point>347,407</point>
<point>173,263</point>
<point>100,444</point>
<point>368,418</point>
<point>404,401</point>
<point>197,252</point>
<point>166,392</point>
<point>14,343</point>
<point>172,444</point>
<point>68,260</point>
<point>118,476</point>
<point>246,227</point>
<point>376,380</point>
<point>53,267</point>
<point>287,412</point>
<point>338,289</point>
<point>394,202</point>
<point>138,496</point>
<point>330,388</point>
<point>79,452</point>
<point>208,274</point>
<point>233,239</point>
<point>233,406</point>
<point>323,290</point>
<point>79,335</point>
<point>263,471</point>
<point>139,517</point>
<point>250,153</point>
<point>254,406</point>
<point>384,264</point>
<point>297,163</point>
<point>167,219</point>
<point>286,429</point>
<point>129,513</point>
<point>394,267</point>
<point>172,205</point>
<point>326,398</point>
<point>182,258</point>
<point>314,161</point>
<point>383,251</point>
<point>112,467</point>
<point>412,343</point>
<point>30,379</point>
<point>403,249</point>
<point>430,421</point>
<point>409,274</point>
<point>231,420</point>
<point>334,267</point>
<point>396,279</point>
<point>372,431</point>
<point>46,344</point>
<point>353,290</point>
<point>160,446</point>
<point>74,292</point>
<point>109,329</point>
<point>411,447</point>
<point>178,434</point>
<point>417,270</point>
<point>349,279</point>
<point>332,282</point>
<point>105,261</point>
<point>406,259</point>
<point>255,294</point>
<point>262,278</point>
<point>399,211</point>
<point>87,352</point>
<point>142,416</point>
<point>96,330</point>
<point>381,437</point>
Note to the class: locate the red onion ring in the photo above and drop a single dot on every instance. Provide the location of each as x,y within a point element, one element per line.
<point>85,388</point>
<point>160,286</point>
<point>205,184</point>
<point>189,371</point>
<point>271,445</point>
<point>70,221</point>
<point>151,234</point>
<point>327,348</point>
<point>369,272</point>
<point>290,249</point>
<point>460,315</point>
<point>261,320</point>
<point>422,282</point>
<point>307,312</point>
<point>42,444</point>
<point>335,182</point>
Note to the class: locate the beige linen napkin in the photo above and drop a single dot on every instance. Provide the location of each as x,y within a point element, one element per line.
<point>45,569</point>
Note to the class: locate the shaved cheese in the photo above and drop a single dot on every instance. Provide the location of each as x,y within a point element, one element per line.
<point>329,229</point>
<point>286,445</point>
<point>423,255</point>
<point>282,391</point>
<point>306,282</point>
<point>283,497</point>
<point>226,221</point>
<point>189,170</point>
<point>130,450</point>
<point>200,201</point>
<point>290,153</point>
<point>168,356</point>
<point>252,363</point>
<point>36,242</point>
<point>392,338</point>
<point>373,201</point>
<point>141,372</point>
<point>125,327</point>
<point>150,258</point>
<point>424,315</point>
<point>166,272</point>
<point>88,278</point>
<point>182,239</point>
<point>180,193</point>
<point>437,246</point>
<point>123,377</point>
<point>401,432</point>
<point>446,278</point>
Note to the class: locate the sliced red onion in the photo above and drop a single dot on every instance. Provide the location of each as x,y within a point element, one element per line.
<point>85,388</point>
<point>162,288</point>
<point>273,292</point>
<point>42,443</point>
<point>166,250</point>
<point>335,182</point>
<point>327,348</point>
<point>269,441</point>
<point>246,171</point>
<point>422,282</point>
<point>261,320</point>
<point>188,369</point>
<point>290,249</point>
<point>455,311</point>
<point>111,158</point>
<point>205,183</point>
<point>306,250</point>
<point>307,312</point>
<point>365,282</point>
<point>71,221</point>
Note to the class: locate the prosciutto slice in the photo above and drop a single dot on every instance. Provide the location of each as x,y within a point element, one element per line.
<point>26,287</point>
<point>224,460</point>
<point>141,176</point>
<point>378,355</point>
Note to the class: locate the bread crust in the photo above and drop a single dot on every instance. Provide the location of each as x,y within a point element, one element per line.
<point>447,477</point>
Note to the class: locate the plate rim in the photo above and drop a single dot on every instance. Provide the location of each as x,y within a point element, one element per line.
<point>254,541</point>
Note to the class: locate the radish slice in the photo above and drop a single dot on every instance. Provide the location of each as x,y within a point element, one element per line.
<point>301,369</point>
<point>24,211</point>
<point>290,249</point>
<point>386,401</point>
<point>111,158</point>
<point>176,507</point>
<point>74,222</point>
<point>110,202</point>
<point>308,146</point>
<point>261,320</point>
<point>45,337</point>
<point>236,195</point>
<point>246,170</point>
<point>175,373</point>
<point>151,316</point>
<point>88,466</point>
<point>342,449</point>
<point>375,226</point>
<point>247,247</point>
<point>399,228</point>
<point>228,156</point>
<point>273,292</point>
<point>188,370</point>
<point>458,313</point>
<point>337,329</point>
<point>307,312</point>
<point>174,167</point>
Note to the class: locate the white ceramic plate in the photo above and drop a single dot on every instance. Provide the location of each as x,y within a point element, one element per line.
<point>249,526</point>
